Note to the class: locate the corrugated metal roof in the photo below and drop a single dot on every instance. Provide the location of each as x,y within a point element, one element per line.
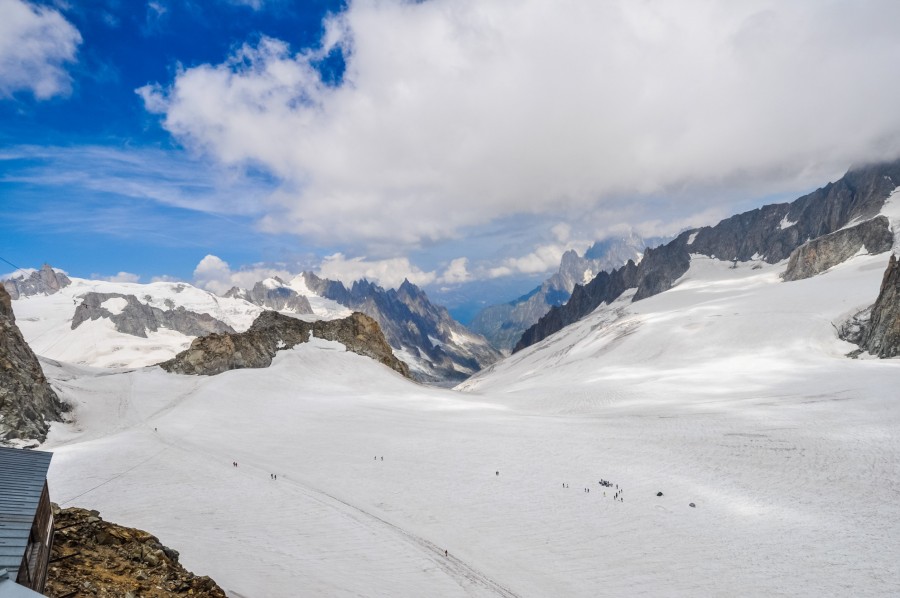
<point>22,476</point>
<point>10,589</point>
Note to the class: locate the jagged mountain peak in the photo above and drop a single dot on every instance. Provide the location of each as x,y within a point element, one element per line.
<point>45,281</point>
<point>273,293</point>
<point>438,349</point>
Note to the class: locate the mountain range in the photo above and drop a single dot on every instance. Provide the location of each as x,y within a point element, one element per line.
<point>503,324</point>
<point>769,234</point>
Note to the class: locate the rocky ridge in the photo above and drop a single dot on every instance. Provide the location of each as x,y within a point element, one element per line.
<point>504,324</point>
<point>440,350</point>
<point>770,233</point>
<point>273,294</point>
<point>876,329</point>
<point>136,318</point>
<point>92,557</point>
<point>27,402</point>
<point>272,332</point>
<point>820,254</point>
<point>45,281</point>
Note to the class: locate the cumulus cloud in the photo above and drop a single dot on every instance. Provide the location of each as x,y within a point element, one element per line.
<point>120,277</point>
<point>388,273</point>
<point>457,272</point>
<point>214,274</point>
<point>36,43</point>
<point>470,111</point>
<point>544,258</point>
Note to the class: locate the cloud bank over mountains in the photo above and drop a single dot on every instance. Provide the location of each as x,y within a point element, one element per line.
<point>452,114</point>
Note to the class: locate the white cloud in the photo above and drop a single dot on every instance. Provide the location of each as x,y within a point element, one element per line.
<point>120,277</point>
<point>544,258</point>
<point>165,278</point>
<point>214,274</point>
<point>388,273</point>
<point>457,272</point>
<point>254,4</point>
<point>471,111</point>
<point>35,44</point>
<point>165,177</point>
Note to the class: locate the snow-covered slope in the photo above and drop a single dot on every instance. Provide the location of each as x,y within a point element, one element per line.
<point>46,322</point>
<point>729,391</point>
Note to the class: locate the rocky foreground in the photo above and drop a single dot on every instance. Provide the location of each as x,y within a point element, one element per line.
<point>27,402</point>
<point>92,557</point>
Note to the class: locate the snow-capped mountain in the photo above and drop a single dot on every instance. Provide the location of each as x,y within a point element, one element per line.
<point>503,324</point>
<point>768,234</point>
<point>113,324</point>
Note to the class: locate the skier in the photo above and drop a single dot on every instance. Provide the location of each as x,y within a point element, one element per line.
<point>498,473</point>
<point>446,553</point>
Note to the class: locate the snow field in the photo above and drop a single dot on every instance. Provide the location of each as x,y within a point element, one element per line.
<point>730,391</point>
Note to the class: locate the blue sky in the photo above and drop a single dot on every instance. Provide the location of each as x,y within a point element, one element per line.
<point>464,144</point>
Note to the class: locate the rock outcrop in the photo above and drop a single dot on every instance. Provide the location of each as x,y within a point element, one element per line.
<point>45,281</point>
<point>876,329</point>
<point>136,318</point>
<point>273,294</point>
<point>820,254</point>
<point>769,233</point>
<point>27,403</point>
<point>272,332</point>
<point>504,324</point>
<point>92,557</point>
<point>441,350</point>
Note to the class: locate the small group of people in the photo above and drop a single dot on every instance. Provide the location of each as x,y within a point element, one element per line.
<point>234,463</point>
<point>273,476</point>
<point>376,458</point>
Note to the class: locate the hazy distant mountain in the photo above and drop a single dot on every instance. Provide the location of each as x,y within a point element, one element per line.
<point>504,324</point>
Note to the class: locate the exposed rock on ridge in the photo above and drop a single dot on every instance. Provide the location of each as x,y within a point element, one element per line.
<point>769,233</point>
<point>138,318</point>
<point>27,402</point>
<point>447,351</point>
<point>92,557</point>
<point>877,329</point>
<point>828,251</point>
<point>277,297</point>
<point>271,332</point>
<point>45,281</point>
